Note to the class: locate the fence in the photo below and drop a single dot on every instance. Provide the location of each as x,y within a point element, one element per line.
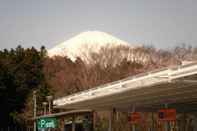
<point>16,128</point>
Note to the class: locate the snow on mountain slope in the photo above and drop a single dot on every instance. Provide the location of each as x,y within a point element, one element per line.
<point>84,43</point>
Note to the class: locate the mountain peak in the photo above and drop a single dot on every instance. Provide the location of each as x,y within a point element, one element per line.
<point>85,42</point>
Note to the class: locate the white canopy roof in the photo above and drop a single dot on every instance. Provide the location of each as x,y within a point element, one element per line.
<point>170,85</point>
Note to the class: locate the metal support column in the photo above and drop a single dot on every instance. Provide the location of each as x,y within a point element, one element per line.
<point>94,116</point>
<point>152,121</point>
<point>73,123</point>
<point>133,125</point>
<point>110,120</point>
<point>166,124</point>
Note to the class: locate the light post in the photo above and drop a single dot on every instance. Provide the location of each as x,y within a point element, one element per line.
<point>50,99</point>
<point>45,107</point>
<point>35,109</point>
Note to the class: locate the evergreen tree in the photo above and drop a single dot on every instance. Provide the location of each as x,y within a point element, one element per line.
<point>21,72</point>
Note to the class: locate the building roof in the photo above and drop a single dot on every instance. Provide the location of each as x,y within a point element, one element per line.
<point>66,113</point>
<point>173,85</point>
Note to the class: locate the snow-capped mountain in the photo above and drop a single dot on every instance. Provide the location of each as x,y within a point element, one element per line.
<point>84,43</point>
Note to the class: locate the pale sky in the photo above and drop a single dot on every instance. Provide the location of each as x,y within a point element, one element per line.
<point>163,23</point>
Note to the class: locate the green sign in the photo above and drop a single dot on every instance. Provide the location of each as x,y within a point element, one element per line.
<point>47,123</point>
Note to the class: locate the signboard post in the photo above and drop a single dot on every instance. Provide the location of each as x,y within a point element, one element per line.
<point>135,118</point>
<point>45,123</point>
<point>167,115</point>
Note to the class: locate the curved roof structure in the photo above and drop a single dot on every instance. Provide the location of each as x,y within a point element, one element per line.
<point>176,85</point>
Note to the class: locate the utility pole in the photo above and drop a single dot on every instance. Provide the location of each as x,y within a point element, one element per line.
<point>50,100</point>
<point>34,108</point>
